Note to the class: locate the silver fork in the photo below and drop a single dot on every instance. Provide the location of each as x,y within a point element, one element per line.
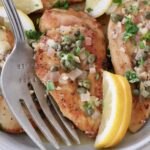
<point>17,73</point>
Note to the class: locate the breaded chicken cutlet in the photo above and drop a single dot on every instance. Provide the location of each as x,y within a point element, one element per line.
<point>68,61</point>
<point>129,43</point>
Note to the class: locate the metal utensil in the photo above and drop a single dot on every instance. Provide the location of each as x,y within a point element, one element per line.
<point>17,74</point>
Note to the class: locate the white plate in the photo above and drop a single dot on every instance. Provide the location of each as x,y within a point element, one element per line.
<point>139,140</point>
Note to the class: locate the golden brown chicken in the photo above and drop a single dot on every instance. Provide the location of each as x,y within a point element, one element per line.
<point>69,62</point>
<point>129,42</point>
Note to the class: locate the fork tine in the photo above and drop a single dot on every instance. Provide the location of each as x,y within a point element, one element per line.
<point>37,118</point>
<point>20,115</point>
<point>39,91</point>
<point>65,122</point>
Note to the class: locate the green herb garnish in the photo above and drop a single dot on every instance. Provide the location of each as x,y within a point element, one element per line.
<point>147,36</point>
<point>50,86</point>
<point>89,10</point>
<point>140,61</point>
<point>61,4</point>
<point>131,29</point>
<point>77,51</point>
<point>33,35</point>
<point>132,76</point>
<point>117,1</point>
<point>146,2</point>
<point>68,62</point>
<point>142,45</point>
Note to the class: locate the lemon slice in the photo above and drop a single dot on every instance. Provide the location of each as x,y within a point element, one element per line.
<point>28,6</point>
<point>117,106</point>
<point>26,21</point>
<point>97,8</point>
<point>126,112</point>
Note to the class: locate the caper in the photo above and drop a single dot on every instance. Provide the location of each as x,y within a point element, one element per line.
<point>136,92</point>
<point>77,33</point>
<point>147,49</point>
<point>60,54</point>
<point>116,17</point>
<point>88,108</point>
<point>81,90</point>
<point>54,68</point>
<point>90,111</point>
<point>67,65</point>
<point>91,59</point>
<point>85,83</point>
<point>66,48</point>
<point>147,15</point>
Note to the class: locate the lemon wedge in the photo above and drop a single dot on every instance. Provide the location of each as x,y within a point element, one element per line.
<point>26,21</point>
<point>117,106</point>
<point>97,8</point>
<point>28,6</point>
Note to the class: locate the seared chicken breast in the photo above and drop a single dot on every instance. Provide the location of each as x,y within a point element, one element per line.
<point>68,61</point>
<point>129,43</point>
<point>50,3</point>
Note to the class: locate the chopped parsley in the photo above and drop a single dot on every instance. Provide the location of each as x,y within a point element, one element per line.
<point>89,10</point>
<point>77,51</point>
<point>50,86</point>
<point>132,76</point>
<point>68,62</point>
<point>117,1</point>
<point>140,61</point>
<point>147,36</point>
<point>131,29</point>
<point>61,4</point>
<point>33,35</point>
<point>142,45</point>
<point>146,2</point>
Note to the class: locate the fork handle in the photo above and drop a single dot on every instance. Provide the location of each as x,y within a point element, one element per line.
<point>14,20</point>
